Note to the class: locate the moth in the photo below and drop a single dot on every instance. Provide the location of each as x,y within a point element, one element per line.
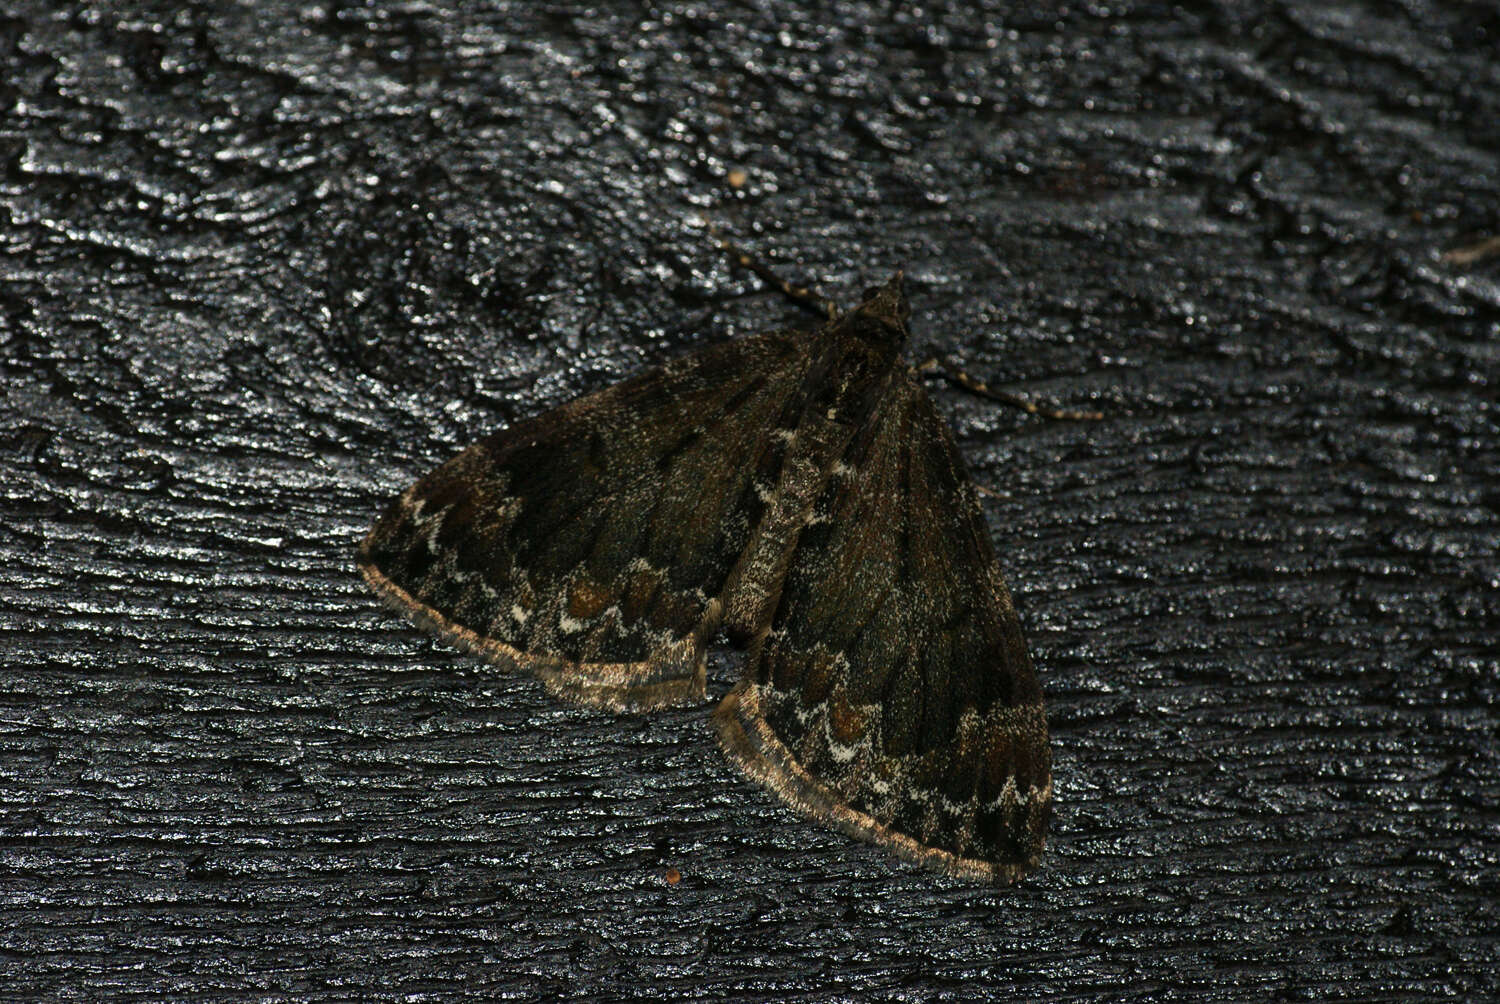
<point>797,493</point>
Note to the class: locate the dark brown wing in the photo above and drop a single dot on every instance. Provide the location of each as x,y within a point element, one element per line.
<point>589,545</point>
<point>892,694</point>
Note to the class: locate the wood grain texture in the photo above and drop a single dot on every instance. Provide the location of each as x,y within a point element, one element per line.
<point>260,264</point>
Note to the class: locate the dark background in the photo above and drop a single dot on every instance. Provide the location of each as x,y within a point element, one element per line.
<point>262,265</point>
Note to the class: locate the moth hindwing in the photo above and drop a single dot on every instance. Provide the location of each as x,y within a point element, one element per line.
<point>797,491</point>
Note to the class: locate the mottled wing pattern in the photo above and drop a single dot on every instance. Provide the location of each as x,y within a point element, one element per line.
<point>589,545</point>
<point>892,694</point>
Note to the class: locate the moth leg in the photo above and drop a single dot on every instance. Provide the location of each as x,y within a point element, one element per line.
<point>976,386</point>
<point>991,493</point>
<point>798,294</point>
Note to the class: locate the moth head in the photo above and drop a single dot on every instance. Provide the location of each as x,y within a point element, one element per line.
<point>880,318</point>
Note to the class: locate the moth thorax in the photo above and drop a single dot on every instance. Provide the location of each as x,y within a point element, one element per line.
<point>857,381</point>
<point>880,334</point>
<point>880,319</point>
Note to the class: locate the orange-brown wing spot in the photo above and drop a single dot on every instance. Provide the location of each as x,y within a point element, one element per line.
<point>640,589</point>
<point>847,725</point>
<point>586,599</point>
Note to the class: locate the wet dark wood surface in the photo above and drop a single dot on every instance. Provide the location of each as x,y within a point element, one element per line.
<point>262,266</point>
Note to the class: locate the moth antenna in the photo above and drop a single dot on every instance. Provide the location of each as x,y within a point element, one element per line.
<point>802,295</point>
<point>1473,254</point>
<point>976,386</point>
